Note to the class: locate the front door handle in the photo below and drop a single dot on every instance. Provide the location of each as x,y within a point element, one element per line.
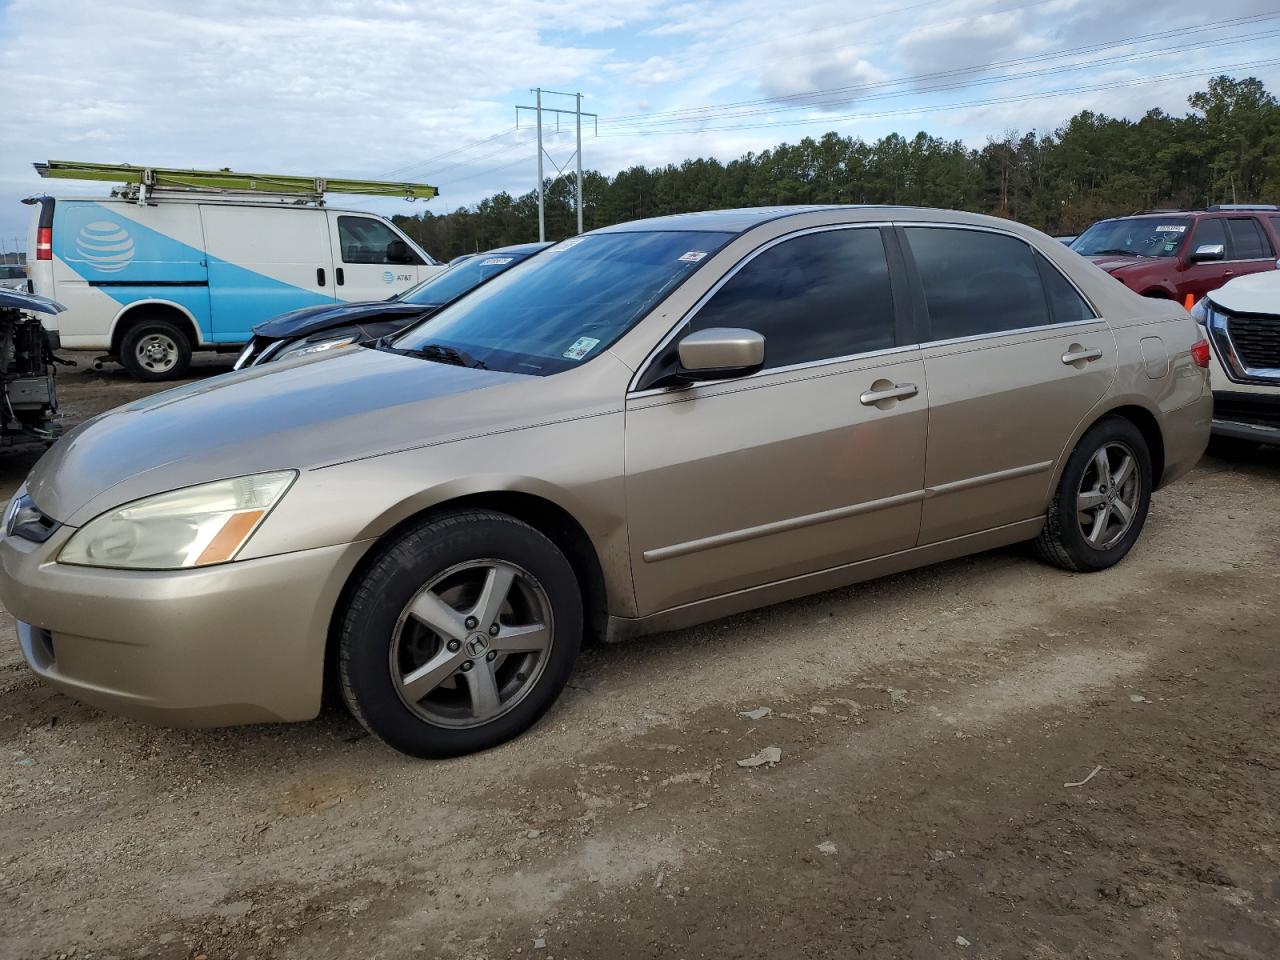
<point>898,391</point>
<point>320,276</point>
<point>1080,356</point>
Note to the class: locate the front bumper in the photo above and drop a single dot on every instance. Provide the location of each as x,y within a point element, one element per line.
<point>1253,416</point>
<point>241,642</point>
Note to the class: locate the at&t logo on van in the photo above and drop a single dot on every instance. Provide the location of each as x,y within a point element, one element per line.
<point>387,276</point>
<point>105,245</point>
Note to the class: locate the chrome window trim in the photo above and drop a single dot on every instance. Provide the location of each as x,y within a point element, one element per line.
<point>729,275</point>
<point>956,341</point>
<point>982,228</point>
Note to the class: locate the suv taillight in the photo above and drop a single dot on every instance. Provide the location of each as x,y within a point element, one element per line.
<point>1200,354</point>
<point>44,243</point>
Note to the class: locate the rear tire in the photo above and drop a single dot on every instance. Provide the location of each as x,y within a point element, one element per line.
<point>155,349</point>
<point>460,635</point>
<point>1097,512</point>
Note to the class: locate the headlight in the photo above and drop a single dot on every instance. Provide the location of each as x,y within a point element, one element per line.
<point>1200,312</point>
<point>306,349</point>
<point>192,527</point>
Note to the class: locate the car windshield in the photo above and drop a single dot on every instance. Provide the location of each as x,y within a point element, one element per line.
<point>564,306</point>
<point>448,285</point>
<point>1133,237</point>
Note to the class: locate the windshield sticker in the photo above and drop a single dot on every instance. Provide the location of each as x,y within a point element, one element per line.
<point>1171,229</point>
<point>495,261</point>
<point>693,256</point>
<point>581,347</point>
<point>566,244</point>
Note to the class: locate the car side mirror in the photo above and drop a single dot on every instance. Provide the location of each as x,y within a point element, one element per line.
<point>398,252</point>
<point>1209,251</point>
<point>720,352</point>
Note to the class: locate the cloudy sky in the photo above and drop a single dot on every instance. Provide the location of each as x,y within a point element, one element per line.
<point>425,91</point>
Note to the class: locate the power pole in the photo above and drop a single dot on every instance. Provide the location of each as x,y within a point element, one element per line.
<point>577,113</point>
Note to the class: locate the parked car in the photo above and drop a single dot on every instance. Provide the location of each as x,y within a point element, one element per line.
<point>311,330</point>
<point>13,276</point>
<point>1242,320</point>
<point>1173,255</point>
<point>644,427</point>
<point>150,282</point>
<point>28,392</point>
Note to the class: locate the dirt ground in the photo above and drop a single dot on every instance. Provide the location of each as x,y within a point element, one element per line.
<point>932,727</point>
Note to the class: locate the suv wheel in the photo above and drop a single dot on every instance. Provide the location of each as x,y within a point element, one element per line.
<point>1102,499</point>
<point>155,350</point>
<point>460,635</point>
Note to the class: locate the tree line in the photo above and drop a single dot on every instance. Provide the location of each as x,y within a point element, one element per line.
<point>1225,149</point>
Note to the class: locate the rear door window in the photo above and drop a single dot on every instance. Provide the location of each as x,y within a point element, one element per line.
<point>976,282</point>
<point>815,297</point>
<point>1065,303</point>
<point>1247,239</point>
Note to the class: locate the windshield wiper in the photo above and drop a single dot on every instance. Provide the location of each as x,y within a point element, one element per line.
<point>1116,252</point>
<point>444,354</point>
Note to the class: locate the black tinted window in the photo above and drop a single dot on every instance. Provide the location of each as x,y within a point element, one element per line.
<point>1065,302</point>
<point>818,296</point>
<point>1247,241</point>
<point>977,282</point>
<point>369,241</point>
<point>1208,233</point>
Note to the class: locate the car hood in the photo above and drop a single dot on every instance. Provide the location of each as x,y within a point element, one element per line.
<point>1254,293</point>
<point>308,320</point>
<point>295,414</point>
<point>1112,262</point>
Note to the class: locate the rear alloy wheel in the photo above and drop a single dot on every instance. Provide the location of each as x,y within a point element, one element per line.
<point>155,350</point>
<point>1102,499</point>
<point>460,636</point>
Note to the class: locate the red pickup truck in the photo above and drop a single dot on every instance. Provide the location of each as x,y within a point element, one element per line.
<point>1174,254</point>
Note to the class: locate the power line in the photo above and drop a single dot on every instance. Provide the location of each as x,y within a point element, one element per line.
<point>686,114</point>
<point>906,111</point>
<point>417,164</point>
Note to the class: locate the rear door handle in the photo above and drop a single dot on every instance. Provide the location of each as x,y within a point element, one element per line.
<point>1075,356</point>
<point>320,276</point>
<point>899,391</point>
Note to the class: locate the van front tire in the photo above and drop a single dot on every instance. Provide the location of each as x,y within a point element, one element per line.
<point>154,349</point>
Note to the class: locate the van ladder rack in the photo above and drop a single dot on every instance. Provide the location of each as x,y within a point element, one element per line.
<point>140,182</point>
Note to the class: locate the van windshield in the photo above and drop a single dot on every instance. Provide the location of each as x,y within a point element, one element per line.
<point>564,306</point>
<point>1133,237</point>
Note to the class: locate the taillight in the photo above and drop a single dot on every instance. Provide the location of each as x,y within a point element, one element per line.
<point>1200,354</point>
<point>44,243</point>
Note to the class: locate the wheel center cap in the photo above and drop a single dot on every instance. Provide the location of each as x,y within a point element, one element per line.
<point>477,644</point>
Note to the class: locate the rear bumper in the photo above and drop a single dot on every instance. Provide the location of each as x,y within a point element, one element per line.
<point>1186,435</point>
<point>1253,416</point>
<point>242,642</point>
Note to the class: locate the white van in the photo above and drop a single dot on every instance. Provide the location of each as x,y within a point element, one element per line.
<point>150,280</point>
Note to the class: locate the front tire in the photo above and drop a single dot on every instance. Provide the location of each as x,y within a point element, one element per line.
<point>154,349</point>
<point>460,635</point>
<point>1102,500</point>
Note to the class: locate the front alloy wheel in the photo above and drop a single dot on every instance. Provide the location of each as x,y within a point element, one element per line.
<point>460,634</point>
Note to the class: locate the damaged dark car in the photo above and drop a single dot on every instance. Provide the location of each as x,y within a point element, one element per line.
<point>331,326</point>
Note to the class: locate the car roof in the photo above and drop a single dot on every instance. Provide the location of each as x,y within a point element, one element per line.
<point>738,220</point>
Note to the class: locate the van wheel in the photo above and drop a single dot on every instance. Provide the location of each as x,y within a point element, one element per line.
<point>460,635</point>
<point>155,350</point>
<point>1102,499</point>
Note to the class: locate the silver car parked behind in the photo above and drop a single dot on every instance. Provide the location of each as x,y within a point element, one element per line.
<point>645,427</point>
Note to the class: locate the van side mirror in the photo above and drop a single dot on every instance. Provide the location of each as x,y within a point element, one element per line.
<point>1209,251</point>
<point>398,252</point>
<point>721,352</point>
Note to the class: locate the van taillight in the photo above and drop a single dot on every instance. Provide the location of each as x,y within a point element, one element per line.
<point>44,243</point>
<point>1200,354</point>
